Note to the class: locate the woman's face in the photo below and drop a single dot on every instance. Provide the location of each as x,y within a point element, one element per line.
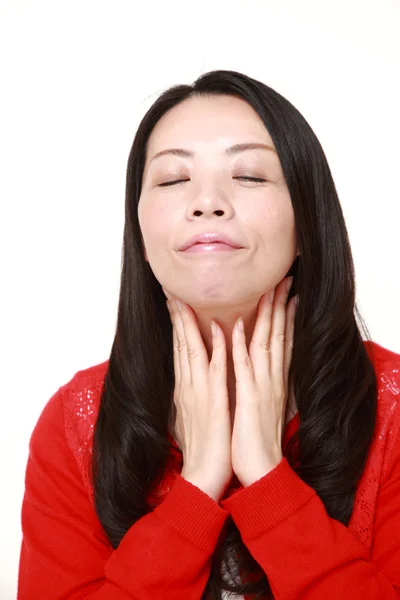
<point>215,197</point>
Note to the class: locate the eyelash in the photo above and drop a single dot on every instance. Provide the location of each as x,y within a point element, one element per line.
<point>254,179</point>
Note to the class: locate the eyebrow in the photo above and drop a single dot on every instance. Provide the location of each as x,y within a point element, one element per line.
<point>235,149</point>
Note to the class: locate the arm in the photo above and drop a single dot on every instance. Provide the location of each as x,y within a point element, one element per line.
<point>305,553</point>
<point>65,554</point>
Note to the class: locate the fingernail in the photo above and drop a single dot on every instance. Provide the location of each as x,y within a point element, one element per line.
<point>289,283</point>
<point>240,324</point>
<point>297,300</point>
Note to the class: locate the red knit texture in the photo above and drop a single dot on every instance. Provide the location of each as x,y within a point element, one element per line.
<point>166,555</point>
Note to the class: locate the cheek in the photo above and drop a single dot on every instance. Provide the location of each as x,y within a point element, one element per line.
<point>272,220</point>
<point>155,222</point>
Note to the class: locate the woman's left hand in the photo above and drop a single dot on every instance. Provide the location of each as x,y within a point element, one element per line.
<point>262,386</point>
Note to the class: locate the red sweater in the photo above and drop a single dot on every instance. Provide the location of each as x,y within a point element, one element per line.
<point>166,554</point>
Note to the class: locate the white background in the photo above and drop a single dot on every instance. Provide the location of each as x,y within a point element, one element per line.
<point>76,77</point>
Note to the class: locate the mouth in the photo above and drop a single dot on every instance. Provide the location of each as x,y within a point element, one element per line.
<point>211,238</point>
<point>203,248</point>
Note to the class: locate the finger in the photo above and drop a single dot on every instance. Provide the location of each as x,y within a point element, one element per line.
<point>177,368</point>
<point>241,360</point>
<point>181,344</point>
<point>289,338</point>
<point>193,353</point>
<point>218,366</point>
<point>278,329</point>
<point>260,349</point>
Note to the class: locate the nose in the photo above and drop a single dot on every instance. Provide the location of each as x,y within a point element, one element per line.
<point>218,212</point>
<point>208,202</point>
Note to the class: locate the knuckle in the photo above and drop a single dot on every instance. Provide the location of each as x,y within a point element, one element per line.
<point>265,346</point>
<point>281,338</point>
<point>192,353</point>
<point>183,317</point>
<point>245,360</point>
<point>215,365</point>
<point>241,345</point>
<point>181,345</point>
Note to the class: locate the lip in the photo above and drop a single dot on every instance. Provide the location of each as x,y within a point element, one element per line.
<point>209,248</point>
<point>211,239</point>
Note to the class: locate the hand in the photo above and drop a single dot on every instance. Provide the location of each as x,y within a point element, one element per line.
<point>203,428</point>
<point>262,386</point>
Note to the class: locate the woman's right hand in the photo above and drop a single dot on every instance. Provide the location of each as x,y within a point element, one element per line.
<point>203,428</point>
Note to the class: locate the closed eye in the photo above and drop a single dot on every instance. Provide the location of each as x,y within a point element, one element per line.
<point>172,182</point>
<point>255,179</point>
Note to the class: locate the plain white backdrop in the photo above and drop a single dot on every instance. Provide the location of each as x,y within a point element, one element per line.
<point>76,77</point>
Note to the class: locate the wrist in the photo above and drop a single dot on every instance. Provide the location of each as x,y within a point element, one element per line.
<point>208,489</point>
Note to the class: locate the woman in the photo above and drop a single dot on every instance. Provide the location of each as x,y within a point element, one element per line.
<point>262,460</point>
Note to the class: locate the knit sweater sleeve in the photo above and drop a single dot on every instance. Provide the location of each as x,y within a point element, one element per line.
<point>307,554</point>
<point>65,554</point>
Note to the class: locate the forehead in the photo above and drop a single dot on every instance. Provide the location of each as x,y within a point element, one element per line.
<point>218,120</point>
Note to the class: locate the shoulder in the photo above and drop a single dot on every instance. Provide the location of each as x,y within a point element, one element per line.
<point>388,374</point>
<point>81,399</point>
<point>90,376</point>
<point>68,419</point>
<point>379,354</point>
<point>387,368</point>
<point>383,461</point>
<point>387,433</point>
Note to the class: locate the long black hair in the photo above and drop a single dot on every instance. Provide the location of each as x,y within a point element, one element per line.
<point>333,377</point>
